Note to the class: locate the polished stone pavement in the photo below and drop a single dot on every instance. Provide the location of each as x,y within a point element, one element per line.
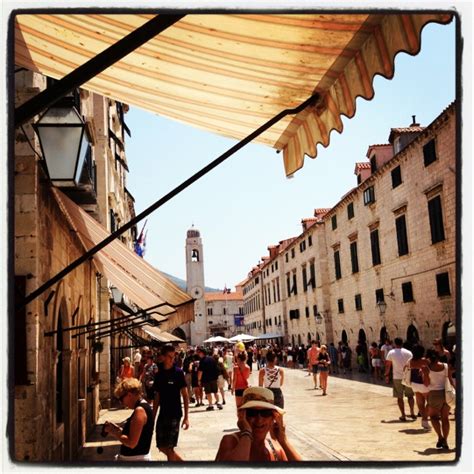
<point>356,421</point>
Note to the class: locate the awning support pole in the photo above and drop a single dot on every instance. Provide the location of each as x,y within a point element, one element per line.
<point>90,253</point>
<point>94,66</point>
<point>102,334</point>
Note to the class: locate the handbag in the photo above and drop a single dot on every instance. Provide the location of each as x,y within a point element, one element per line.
<point>406,377</point>
<point>449,391</point>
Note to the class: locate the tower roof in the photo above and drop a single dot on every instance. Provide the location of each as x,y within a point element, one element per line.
<point>193,233</point>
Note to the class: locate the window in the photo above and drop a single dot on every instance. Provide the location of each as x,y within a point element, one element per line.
<point>312,276</point>
<point>354,257</point>
<point>407,291</point>
<point>436,219</point>
<point>286,258</point>
<point>305,276</point>
<point>429,153</point>
<point>288,285</point>
<point>350,210</point>
<point>310,240</point>
<point>340,305</point>
<point>442,284</point>
<point>374,244</point>
<point>396,177</point>
<point>306,310</point>
<point>224,311</point>
<point>113,224</point>
<point>294,313</point>
<point>315,310</point>
<point>334,222</point>
<point>293,253</point>
<point>402,238</point>
<point>337,265</point>
<point>358,302</point>
<point>373,164</point>
<point>209,311</point>
<point>369,195</point>
<point>295,288</point>
<point>379,295</point>
<point>303,246</point>
<point>276,266</point>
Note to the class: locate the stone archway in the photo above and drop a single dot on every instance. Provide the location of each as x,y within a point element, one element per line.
<point>344,338</point>
<point>412,335</point>
<point>362,344</point>
<point>448,334</point>
<point>178,332</point>
<point>383,335</point>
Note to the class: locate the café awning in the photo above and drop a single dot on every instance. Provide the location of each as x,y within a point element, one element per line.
<point>230,73</point>
<point>143,284</point>
<point>160,336</point>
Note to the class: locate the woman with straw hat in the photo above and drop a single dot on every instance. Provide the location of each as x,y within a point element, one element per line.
<point>262,435</point>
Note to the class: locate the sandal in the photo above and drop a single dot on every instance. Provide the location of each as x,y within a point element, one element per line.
<point>402,418</point>
<point>413,417</point>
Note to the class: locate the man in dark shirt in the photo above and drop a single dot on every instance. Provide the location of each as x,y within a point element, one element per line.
<point>207,377</point>
<point>169,387</point>
<point>187,369</point>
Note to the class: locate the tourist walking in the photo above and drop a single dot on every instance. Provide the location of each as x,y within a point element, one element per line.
<point>126,370</point>
<point>323,368</point>
<point>240,378</point>
<point>229,367</point>
<point>222,377</point>
<point>170,388</point>
<point>207,378</point>
<point>147,377</point>
<point>434,377</point>
<point>197,389</point>
<point>262,436</point>
<point>346,355</point>
<point>333,356</point>
<point>137,432</point>
<point>397,359</point>
<point>271,376</point>
<point>376,360</point>
<point>312,355</point>
<point>417,365</point>
<point>137,358</point>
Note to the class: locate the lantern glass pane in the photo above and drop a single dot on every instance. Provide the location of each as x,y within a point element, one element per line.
<point>60,147</point>
<point>82,156</point>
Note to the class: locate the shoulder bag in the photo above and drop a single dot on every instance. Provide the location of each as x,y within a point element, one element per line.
<point>449,391</point>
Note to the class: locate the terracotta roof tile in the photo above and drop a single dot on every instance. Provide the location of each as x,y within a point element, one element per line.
<point>221,296</point>
<point>362,166</point>
<point>416,129</point>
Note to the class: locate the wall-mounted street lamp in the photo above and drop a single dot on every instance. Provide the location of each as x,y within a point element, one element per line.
<point>382,306</point>
<point>117,295</point>
<point>64,142</point>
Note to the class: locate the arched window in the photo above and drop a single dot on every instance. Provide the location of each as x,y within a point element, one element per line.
<point>383,335</point>
<point>344,336</point>
<point>195,255</point>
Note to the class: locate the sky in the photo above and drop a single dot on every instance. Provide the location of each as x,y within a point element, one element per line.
<point>247,203</point>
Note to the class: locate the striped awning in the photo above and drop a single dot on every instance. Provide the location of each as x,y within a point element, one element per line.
<point>143,284</point>
<point>160,336</point>
<point>231,73</point>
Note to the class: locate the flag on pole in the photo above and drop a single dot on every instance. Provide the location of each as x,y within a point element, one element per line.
<point>140,243</point>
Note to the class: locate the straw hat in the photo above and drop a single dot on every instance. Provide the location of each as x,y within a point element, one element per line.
<point>240,346</point>
<point>259,397</point>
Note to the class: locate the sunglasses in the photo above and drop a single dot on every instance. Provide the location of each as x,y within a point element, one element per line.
<point>253,412</point>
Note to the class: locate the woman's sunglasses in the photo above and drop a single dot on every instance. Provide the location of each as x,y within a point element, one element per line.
<point>253,412</point>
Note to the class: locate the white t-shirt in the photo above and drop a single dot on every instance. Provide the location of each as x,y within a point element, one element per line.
<point>137,358</point>
<point>386,348</point>
<point>399,358</point>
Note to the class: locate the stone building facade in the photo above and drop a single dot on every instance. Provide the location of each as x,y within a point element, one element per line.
<point>224,312</point>
<point>381,262</point>
<point>61,376</point>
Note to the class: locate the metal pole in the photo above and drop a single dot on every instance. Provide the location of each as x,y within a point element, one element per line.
<point>90,253</point>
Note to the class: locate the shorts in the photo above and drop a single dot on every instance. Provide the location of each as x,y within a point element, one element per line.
<point>167,432</point>
<point>323,368</point>
<point>220,381</point>
<point>239,392</point>
<point>314,368</point>
<point>399,389</point>
<point>376,362</point>
<point>278,397</point>
<point>210,387</point>
<point>436,399</point>
<point>150,393</point>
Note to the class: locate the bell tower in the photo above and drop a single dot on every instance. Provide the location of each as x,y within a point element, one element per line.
<point>195,286</point>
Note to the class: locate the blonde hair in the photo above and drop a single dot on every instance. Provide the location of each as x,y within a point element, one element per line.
<point>130,385</point>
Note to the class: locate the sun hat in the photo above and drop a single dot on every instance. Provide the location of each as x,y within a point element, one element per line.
<point>259,397</point>
<point>240,346</point>
<point>126,359</point>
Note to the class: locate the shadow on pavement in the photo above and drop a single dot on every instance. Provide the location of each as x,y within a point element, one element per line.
<point>431,451</point>
<point>397,421</point>
<point>414,431</point>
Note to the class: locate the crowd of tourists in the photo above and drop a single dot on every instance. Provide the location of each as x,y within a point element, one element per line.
<point>160,385</point>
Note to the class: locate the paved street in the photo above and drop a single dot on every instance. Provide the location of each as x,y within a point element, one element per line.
<point>357,421</point>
